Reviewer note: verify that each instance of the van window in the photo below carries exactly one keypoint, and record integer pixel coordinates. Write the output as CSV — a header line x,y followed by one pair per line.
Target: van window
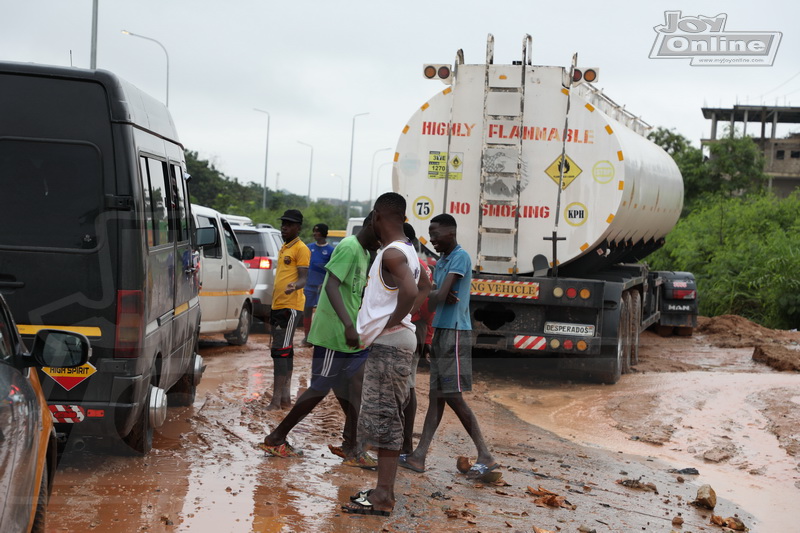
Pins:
x,y
181,209
52,193
159,201
230,241
211,251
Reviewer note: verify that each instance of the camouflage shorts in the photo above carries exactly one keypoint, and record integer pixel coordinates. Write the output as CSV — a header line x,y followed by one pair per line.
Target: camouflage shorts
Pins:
x,y
384,396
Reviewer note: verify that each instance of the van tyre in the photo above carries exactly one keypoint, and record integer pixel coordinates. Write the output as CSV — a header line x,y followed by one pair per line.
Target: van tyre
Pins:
x,y
183,393
140,439
40,518
240,335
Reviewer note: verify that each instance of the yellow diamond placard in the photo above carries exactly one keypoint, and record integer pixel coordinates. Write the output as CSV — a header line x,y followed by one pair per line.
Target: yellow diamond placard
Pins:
x,y
69,378
571,171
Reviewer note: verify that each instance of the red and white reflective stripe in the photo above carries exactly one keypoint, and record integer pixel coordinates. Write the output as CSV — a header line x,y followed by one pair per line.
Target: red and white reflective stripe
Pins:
x,y
67,414
529,342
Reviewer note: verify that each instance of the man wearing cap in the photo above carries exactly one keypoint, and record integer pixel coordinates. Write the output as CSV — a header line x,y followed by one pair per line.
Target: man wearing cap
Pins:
x,y
287,304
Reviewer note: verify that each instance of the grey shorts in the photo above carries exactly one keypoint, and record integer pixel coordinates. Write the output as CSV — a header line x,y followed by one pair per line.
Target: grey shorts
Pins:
x,y
451,361
384,396
421,333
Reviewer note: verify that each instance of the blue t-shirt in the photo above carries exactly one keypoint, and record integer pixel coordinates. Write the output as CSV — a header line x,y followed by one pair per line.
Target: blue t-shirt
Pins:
x,y
454,316
320,255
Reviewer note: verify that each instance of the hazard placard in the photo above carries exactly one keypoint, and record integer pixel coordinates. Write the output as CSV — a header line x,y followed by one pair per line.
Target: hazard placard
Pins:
x,y
440,165
571,171
69,378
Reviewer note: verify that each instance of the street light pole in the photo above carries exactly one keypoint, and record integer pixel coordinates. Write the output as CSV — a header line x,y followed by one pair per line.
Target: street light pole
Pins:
x,y
372,174
310,166
350,177
266,161
378,176
93,57
126,32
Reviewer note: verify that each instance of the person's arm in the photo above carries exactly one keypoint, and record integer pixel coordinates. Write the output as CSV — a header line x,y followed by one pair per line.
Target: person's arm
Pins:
x,y
395,264
302,277
445,291
423,289
335,297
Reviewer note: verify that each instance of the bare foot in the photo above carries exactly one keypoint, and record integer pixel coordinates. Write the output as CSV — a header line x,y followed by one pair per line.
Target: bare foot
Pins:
x,y
274,407
286,405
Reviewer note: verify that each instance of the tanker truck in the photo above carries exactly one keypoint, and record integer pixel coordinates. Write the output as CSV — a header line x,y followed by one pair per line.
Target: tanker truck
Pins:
x,y
558,196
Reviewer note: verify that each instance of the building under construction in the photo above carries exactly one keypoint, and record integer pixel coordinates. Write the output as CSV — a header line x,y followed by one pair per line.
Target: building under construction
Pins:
x,y
782,154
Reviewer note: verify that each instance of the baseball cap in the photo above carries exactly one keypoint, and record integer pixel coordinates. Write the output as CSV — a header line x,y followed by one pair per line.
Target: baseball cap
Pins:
x,y
292,215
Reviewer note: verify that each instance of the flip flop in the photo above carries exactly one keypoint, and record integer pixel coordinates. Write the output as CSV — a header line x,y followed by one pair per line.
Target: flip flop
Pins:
x,y
361,495
337,450
362,460
480,469
284,450
365,507
405,464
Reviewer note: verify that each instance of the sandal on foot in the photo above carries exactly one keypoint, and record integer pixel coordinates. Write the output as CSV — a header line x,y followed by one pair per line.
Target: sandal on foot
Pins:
x,y
480,469
337,451
361,495
401,461
362,460
282,450
365,507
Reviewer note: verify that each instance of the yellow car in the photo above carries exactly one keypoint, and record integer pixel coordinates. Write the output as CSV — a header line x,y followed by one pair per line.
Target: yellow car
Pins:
x,y
335,236
27,439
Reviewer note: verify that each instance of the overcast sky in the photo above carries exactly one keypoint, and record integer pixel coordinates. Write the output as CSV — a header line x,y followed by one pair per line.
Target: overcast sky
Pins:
x,y
313,65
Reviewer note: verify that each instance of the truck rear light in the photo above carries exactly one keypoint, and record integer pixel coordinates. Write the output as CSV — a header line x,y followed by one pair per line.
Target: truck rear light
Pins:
x,y
585,294
558,292
437,72
582,345
555,344
130,315
684,294
568,344
572,292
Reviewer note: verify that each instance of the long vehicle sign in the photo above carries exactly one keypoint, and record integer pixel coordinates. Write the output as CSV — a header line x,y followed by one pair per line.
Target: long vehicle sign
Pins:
x,y
505,289
560,328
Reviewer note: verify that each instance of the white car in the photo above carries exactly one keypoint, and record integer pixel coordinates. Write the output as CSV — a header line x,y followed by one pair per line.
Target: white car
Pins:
x,y
226,302
267,242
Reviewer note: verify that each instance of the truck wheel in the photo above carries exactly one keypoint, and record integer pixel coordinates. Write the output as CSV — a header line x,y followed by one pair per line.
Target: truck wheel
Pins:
x,y
626,322
40,518
607,368
239,336
140,439
636,320
183,393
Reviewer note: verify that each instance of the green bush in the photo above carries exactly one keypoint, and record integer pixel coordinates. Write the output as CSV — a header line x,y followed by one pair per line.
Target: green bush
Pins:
x,y
745,254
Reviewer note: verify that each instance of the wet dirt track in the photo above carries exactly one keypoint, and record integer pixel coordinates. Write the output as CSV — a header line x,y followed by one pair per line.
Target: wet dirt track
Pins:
x,y
205,475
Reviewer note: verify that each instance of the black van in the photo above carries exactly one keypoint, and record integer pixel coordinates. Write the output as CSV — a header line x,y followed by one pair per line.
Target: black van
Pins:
x,y
96,237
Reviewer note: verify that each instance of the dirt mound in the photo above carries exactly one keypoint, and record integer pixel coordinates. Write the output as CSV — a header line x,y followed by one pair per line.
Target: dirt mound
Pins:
x,y
733,331
777,356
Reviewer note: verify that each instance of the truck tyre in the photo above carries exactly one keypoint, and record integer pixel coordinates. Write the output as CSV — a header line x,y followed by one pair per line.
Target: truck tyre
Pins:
x,y
607,368
636,320
183,393
40,518
626,321
140,439
240,335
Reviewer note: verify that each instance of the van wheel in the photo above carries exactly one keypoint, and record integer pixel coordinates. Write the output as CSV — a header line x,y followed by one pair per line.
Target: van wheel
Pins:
x,y
140,439
242,332
40,518
183,393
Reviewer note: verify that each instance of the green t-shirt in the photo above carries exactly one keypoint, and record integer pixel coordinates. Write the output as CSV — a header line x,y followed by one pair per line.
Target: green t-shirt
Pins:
x,y
349,263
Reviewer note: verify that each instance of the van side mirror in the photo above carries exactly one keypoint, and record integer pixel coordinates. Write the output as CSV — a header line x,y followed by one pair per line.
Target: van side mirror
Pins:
x,y
60,349
248,253
206,236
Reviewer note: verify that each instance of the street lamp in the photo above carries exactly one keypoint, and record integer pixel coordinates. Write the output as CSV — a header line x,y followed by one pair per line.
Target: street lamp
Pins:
x,y
126,32
372,173
266,160
310,166
341,190
378,177
350,177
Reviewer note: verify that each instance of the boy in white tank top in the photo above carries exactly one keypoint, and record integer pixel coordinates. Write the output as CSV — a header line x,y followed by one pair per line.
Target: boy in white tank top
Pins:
x,y
384,324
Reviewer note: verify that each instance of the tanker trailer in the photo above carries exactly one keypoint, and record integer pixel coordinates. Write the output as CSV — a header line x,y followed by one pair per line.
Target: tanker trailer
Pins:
x,y
558,196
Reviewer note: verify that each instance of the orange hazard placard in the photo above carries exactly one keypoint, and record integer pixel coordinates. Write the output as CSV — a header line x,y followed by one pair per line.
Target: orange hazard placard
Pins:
x,y
69,378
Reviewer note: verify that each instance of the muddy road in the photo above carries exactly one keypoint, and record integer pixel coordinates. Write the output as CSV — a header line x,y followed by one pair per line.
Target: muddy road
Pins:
x,y
699,402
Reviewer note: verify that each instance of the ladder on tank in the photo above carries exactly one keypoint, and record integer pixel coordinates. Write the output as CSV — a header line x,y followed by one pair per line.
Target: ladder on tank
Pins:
x,y
491,176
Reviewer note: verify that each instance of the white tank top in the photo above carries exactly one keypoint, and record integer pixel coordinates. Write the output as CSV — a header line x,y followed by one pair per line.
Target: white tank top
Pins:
x,y
380,300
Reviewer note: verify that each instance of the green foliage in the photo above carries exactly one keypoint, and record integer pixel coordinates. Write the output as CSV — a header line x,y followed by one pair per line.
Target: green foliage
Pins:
x,y
734,165
212,188
745,254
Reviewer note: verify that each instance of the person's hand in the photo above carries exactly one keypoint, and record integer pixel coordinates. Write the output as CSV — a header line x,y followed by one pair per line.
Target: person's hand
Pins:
x,y
351,336
452,298
290,288
426,351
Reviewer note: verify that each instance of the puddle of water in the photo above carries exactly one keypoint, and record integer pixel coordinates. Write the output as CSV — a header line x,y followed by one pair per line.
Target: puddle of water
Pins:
x,y
718,411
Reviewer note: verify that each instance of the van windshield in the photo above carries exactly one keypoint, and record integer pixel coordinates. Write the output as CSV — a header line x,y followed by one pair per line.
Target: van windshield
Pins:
x,y
50,194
